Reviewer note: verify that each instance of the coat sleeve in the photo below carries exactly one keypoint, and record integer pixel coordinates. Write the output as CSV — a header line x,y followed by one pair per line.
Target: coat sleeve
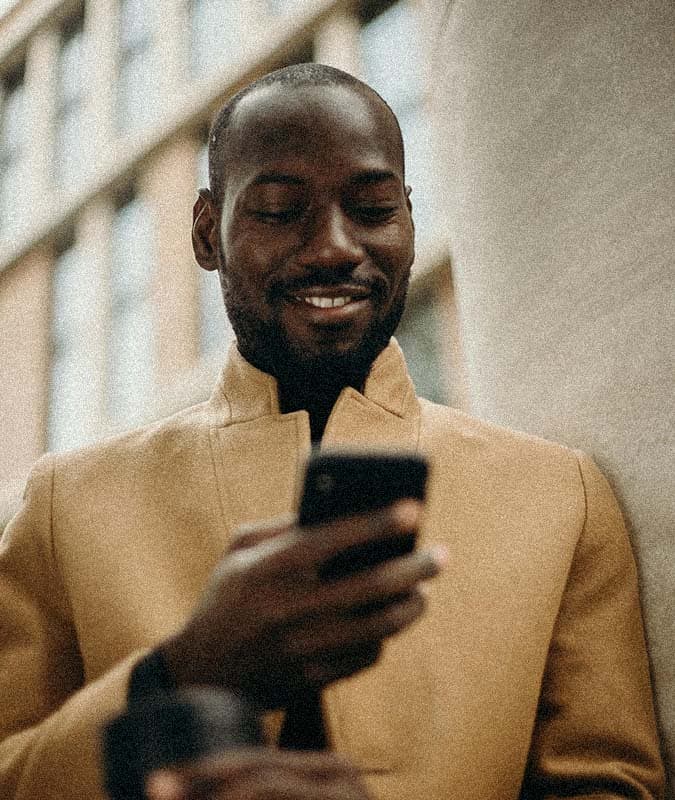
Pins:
x,y
595,733
50,721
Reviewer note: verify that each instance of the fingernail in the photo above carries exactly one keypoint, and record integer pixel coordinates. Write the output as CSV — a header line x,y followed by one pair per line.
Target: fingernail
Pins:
x,y
407,513
440,554
163,785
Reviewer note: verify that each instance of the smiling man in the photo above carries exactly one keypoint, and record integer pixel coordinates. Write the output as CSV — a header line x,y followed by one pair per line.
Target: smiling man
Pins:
x,y
309,225
170,557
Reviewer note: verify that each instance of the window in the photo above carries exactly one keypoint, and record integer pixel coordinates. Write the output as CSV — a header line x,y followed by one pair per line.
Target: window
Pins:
x,y
13,128
136,89
278,6
393,28
420,334
218,30
131,349
72,398
70,101
215,330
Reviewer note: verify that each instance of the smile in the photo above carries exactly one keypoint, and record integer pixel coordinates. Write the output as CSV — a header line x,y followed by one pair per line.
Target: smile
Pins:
x,y
326,302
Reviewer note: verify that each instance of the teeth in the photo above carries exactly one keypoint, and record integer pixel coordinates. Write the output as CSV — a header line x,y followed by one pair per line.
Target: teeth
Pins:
x,y
327,302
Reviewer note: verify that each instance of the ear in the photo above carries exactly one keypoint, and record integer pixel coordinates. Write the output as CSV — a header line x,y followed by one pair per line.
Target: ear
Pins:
x,y
205,231
408,192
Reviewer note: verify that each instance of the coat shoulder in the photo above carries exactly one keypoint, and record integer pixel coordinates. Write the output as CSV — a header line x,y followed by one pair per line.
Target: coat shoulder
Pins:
x,y
147,449
449,433
439,419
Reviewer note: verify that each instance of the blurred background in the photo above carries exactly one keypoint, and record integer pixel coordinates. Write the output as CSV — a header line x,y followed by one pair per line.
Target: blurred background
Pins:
x,y
106,322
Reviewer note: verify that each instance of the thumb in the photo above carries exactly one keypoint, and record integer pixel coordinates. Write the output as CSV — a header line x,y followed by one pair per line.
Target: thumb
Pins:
x,y
253,533
165,785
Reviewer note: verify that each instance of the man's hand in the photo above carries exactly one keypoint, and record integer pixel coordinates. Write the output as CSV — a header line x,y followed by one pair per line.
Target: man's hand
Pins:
x,y
261,775
268,626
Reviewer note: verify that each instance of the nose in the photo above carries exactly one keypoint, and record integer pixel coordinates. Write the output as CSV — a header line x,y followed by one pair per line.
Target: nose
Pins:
x,y
331,241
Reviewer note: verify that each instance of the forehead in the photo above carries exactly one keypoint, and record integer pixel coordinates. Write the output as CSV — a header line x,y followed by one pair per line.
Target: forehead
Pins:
x,y
313,127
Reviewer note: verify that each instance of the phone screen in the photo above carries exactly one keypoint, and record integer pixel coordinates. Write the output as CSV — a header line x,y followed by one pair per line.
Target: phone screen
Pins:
x,y
344,484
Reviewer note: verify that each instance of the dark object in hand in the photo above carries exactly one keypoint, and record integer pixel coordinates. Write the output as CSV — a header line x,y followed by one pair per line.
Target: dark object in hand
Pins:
x,y
344,484
171,729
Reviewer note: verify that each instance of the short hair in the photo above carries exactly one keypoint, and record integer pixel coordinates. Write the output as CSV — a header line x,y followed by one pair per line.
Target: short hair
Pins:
x,y
294,76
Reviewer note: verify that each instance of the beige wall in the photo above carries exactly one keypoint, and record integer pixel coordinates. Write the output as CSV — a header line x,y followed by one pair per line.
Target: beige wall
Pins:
x,y
559,148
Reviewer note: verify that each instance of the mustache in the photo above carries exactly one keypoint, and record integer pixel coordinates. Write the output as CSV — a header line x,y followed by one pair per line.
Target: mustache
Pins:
x,y
282,287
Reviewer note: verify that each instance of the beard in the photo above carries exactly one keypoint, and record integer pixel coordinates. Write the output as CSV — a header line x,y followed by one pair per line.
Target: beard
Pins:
x,y
265,345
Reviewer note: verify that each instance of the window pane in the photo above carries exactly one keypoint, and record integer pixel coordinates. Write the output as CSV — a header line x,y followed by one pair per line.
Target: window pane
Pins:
x,y
136,79
215,331
420,334
131,381
73,294
70,66
202,166
70,419
278,6
131,348
11,198
421,171
399,81
13,126
136,23
68,134
136,91
72,407
131,252
218,31
69,144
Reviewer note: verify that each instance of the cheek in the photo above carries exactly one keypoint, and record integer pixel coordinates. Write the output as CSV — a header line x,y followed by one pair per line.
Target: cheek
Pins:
x,y
253,257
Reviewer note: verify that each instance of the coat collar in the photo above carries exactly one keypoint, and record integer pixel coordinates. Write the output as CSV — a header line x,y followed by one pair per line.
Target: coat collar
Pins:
x,y
245,393
259,454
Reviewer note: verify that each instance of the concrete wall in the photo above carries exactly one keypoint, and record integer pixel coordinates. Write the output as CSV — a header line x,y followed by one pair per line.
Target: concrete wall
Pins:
x,y
558,138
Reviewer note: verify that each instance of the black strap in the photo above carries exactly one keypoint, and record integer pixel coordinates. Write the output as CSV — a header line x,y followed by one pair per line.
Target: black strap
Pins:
x,y
303,727
149,678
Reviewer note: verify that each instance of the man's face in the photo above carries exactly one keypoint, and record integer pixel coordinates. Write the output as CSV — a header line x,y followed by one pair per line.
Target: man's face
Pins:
x,y
316,236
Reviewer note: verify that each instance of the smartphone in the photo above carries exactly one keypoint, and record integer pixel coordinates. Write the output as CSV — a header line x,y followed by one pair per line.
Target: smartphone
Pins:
x,y
341,484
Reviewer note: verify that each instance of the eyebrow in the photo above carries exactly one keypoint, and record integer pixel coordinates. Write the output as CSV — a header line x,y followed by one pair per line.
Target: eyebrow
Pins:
x,y
277,177
372,176
365,178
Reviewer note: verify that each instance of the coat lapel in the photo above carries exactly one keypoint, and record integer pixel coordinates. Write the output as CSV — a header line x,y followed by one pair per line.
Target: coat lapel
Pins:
x,y
385,417
258,453
259,465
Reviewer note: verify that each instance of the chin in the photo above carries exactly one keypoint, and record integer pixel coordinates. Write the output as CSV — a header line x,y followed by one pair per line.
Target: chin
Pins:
x,y
329,365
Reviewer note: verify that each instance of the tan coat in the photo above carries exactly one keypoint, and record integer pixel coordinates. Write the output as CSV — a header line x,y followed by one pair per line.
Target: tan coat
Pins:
x,y
532,644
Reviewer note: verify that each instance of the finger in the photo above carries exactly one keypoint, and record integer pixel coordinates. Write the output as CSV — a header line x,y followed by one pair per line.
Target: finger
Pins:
x,y
331,667
252,533
369,624
324,765
395,576
282,786
165,785
315,545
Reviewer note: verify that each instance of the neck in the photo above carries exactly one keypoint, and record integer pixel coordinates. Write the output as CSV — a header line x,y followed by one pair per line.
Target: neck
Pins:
x,y
317,401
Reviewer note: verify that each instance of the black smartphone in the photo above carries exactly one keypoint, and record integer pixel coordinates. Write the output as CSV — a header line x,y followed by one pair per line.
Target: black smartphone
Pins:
x,y
341,484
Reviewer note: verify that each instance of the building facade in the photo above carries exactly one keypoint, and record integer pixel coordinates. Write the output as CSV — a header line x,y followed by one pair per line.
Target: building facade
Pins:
x,y
105,320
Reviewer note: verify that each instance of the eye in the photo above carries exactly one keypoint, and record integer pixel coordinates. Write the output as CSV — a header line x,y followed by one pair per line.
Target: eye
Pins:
x,y
374,214
281,217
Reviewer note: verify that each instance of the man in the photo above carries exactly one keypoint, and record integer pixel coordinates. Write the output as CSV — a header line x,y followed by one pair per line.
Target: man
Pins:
x,y
525,672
